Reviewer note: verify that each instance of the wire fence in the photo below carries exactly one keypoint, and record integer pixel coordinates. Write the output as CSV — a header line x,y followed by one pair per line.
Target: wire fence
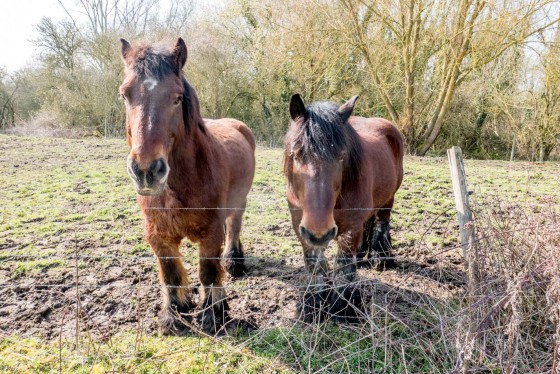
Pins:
x,y
288,275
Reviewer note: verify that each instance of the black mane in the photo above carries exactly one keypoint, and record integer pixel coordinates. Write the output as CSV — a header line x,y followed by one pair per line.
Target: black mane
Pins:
x,y
157,63
321,136
154,63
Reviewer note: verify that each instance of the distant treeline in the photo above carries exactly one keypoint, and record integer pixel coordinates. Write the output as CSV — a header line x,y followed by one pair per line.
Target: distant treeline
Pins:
x,y
481,74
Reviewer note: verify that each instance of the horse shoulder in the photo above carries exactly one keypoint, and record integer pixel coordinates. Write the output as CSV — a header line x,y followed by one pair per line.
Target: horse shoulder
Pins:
x,y
236,146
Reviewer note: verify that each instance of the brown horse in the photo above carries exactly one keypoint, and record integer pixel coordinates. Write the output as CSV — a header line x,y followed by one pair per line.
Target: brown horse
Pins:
x,y
342,174
192,177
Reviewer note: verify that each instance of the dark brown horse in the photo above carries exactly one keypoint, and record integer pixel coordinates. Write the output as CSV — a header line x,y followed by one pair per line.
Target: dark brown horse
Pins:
x,y
192,177
342,174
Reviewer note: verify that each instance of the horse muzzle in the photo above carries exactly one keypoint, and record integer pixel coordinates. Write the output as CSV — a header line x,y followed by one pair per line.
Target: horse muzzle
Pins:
x,y
317,240
151,180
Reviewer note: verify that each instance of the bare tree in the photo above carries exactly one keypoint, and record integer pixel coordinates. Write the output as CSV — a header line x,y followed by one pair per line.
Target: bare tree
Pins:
x,y
547,98
434,45
7,112
61,41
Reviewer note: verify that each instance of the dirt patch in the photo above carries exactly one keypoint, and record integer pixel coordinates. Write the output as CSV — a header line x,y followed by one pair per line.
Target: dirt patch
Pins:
x,y
102,297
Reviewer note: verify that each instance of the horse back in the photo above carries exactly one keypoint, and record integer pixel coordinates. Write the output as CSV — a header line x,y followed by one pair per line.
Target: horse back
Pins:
x,y
383,147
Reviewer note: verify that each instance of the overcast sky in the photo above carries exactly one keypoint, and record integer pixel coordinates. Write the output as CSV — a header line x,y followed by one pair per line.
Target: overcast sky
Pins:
x,y
17,28
18,19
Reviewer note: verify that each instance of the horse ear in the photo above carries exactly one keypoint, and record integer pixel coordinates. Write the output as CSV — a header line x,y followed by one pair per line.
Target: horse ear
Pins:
x,y
345,110
180,53
297,107
125,49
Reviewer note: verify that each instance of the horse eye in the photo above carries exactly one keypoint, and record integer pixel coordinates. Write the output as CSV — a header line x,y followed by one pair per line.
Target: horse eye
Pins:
x,y
179,99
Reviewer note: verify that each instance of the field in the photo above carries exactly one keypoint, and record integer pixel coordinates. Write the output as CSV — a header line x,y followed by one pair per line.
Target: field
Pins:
x,y
79,289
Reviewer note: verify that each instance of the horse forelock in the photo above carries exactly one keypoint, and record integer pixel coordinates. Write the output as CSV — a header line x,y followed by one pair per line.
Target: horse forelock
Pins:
x,y
153,62
321,136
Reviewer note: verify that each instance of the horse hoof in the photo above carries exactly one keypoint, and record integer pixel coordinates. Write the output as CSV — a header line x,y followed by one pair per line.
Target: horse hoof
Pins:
x,y
214,317
240,326
345,305
386,264
364,263
311,307
175,319
172,324
236,268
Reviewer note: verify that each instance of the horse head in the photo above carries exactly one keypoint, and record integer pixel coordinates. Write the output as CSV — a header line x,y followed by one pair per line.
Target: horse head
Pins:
x,y
319,148
153,91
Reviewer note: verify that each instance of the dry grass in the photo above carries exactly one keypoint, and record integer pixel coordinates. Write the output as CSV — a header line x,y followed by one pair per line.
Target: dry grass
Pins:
x,y
46,125
516,306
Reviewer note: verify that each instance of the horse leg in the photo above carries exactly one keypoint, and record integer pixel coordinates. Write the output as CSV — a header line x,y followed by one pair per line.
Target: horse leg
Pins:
x,y
175,286
233,257
381,240
345,301
314,297
211,274
366,246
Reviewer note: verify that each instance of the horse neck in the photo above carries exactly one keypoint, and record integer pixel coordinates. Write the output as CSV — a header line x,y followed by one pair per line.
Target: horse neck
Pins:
x,y
189,159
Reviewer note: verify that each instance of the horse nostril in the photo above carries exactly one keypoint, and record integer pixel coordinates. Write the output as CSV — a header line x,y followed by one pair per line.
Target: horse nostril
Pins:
x,y
158,169
134,170
330,234
304,233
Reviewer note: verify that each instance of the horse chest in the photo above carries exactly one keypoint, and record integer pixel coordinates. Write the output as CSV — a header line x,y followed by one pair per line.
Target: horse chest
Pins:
x,y
170,217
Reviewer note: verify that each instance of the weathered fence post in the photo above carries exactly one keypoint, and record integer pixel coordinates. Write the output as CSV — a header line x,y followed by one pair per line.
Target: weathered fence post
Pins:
x,y
464,213
470,253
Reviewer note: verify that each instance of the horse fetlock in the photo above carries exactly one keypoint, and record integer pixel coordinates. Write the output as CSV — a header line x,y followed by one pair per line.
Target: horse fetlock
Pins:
x,y
315,262
311,305
233,261
381,253
313,300
175,317
362,251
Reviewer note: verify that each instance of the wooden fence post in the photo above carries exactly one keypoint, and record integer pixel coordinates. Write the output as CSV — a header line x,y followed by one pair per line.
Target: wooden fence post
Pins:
x,y
464,213
470,253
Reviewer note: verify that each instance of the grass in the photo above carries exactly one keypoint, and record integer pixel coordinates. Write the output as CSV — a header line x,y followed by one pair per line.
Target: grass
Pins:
x,y
62,197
